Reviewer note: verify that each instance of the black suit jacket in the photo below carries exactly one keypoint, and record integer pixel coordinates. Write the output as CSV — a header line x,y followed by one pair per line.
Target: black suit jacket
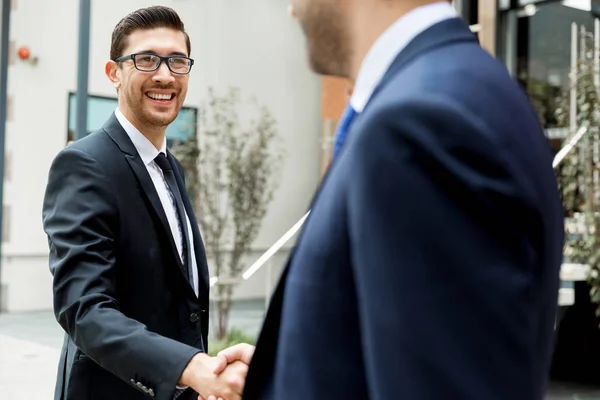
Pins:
x,y
132,320
428,267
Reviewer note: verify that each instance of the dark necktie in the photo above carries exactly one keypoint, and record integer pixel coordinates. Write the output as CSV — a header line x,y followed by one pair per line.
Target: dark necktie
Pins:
x,y
165,165
343,128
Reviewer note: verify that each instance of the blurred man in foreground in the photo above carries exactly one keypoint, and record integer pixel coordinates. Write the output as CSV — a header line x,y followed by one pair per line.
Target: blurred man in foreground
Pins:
x,y
428,267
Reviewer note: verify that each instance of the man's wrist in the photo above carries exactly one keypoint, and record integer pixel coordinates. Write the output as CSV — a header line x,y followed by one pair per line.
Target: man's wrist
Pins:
x,y
189,374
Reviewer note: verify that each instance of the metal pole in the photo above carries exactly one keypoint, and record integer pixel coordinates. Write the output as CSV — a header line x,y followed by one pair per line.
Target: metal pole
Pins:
x,y
268,284
83,69
596,52
574,71
4,39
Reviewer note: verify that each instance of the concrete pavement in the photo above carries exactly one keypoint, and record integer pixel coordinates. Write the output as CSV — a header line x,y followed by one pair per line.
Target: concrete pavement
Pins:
x,y
27,369
30,346
29,349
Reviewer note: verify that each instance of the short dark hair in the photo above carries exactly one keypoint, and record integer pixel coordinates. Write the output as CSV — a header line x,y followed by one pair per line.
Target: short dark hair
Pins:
x,y
145,18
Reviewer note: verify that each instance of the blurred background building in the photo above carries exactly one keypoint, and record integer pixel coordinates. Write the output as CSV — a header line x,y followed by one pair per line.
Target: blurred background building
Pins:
x,y
531,38
253,46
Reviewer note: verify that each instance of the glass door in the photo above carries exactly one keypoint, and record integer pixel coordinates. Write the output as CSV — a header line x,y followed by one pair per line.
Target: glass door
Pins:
x,y
536,46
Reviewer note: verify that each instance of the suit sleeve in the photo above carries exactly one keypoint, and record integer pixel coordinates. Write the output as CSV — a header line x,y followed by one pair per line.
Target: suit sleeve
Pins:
x,y
80,217
442,274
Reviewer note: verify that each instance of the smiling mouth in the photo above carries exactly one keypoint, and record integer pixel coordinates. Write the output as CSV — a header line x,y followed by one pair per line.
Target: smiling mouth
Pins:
x,y
161,97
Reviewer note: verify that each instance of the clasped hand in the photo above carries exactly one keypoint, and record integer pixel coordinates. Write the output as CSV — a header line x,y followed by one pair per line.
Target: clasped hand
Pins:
x,y
222,377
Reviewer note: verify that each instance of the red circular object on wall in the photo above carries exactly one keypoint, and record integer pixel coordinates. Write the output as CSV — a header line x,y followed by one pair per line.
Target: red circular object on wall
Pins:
x,y
24,53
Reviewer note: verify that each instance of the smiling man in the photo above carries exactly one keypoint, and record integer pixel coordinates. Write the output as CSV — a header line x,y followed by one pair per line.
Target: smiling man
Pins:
x,y
130,273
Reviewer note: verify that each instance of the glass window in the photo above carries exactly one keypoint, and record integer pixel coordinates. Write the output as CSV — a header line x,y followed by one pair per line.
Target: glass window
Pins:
x,y
535,44
100,108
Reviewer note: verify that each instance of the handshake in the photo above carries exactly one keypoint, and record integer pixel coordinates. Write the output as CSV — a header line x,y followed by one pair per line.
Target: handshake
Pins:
x,y
221,377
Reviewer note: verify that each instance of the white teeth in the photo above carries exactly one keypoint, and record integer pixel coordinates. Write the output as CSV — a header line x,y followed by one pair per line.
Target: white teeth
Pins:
x,y
156,96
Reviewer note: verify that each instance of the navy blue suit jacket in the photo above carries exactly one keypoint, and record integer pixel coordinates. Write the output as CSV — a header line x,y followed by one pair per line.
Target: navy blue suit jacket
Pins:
x,y
428,268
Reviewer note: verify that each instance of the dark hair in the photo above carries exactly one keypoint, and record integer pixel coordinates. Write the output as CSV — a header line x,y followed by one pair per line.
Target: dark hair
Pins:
x,y
145,18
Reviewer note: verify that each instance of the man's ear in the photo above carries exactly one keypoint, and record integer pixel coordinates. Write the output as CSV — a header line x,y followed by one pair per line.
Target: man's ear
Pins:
x,y
291,11
113,72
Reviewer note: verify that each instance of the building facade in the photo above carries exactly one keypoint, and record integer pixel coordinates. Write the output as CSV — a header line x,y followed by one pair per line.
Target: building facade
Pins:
x,y
253,46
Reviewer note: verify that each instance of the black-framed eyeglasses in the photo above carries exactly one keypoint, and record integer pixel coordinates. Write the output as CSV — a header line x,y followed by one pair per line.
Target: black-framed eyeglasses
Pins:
x,y
148,62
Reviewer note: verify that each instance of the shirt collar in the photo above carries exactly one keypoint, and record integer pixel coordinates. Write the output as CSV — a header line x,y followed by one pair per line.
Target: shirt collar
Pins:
x,y
387,47
144,147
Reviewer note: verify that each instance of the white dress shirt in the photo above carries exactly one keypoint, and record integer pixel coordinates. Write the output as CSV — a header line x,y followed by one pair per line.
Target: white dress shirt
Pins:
x,y
148,153
391,42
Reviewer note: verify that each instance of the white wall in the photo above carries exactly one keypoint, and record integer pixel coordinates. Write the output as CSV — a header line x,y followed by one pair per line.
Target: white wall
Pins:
x,y
250,44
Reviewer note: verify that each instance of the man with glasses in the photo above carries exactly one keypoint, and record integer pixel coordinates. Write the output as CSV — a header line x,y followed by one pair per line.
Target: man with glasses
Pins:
x,y
130,272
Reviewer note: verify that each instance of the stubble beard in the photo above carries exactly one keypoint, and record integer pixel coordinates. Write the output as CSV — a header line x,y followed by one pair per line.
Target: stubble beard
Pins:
x,y
328,41
147,118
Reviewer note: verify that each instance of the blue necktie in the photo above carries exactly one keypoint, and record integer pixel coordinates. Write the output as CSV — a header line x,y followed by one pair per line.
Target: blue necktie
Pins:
x,y
343,128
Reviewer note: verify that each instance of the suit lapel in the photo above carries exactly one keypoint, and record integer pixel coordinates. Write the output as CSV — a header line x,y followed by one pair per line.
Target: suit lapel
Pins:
x,y
199,250
114,129
149,190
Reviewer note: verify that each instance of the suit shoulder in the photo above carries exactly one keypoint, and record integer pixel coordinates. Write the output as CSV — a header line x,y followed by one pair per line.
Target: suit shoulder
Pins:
x,y
92,142
74,160
487,91
444,91
79,168
427,110
96,145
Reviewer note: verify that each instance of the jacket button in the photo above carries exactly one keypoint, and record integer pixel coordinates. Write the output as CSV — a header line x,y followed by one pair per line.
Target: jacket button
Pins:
x,y
194,317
